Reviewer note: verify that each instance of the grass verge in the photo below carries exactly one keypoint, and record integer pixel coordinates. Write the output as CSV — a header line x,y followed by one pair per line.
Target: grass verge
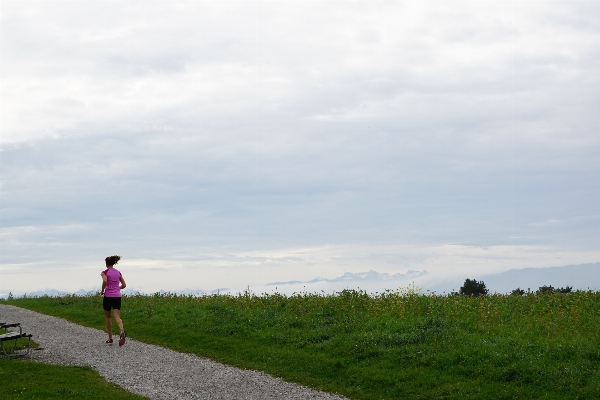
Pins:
x,y
389,346
26,379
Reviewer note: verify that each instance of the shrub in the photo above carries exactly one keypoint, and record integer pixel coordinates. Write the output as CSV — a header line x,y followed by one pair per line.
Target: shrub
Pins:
x,y
518,292
550,289
546,290
473,288
567,289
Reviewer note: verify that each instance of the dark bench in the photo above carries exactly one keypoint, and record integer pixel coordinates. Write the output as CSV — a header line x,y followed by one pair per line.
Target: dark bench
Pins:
x,y
8,336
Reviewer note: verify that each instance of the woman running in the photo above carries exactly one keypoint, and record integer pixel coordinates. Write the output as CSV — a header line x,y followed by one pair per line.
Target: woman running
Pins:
x,y
111,290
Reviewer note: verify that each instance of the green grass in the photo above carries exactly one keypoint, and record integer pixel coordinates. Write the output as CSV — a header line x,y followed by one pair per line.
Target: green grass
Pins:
x,y
25,379
390,346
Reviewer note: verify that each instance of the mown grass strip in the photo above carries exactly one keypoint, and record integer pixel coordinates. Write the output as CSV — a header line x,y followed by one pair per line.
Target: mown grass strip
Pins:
x,y
26,379
389,346
23,379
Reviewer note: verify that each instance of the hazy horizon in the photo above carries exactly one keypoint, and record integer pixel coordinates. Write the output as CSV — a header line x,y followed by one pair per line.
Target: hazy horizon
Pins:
x,y
578,277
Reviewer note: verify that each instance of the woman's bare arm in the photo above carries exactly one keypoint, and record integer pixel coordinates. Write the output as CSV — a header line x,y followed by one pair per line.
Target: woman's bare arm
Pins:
x,y
104,280
123,284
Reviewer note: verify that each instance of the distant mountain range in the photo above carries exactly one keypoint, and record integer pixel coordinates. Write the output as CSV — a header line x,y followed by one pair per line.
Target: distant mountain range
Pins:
x,y
580,277
349,277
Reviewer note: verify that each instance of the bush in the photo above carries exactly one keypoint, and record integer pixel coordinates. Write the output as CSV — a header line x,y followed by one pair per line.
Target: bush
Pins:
x,y
546,290
518,292
567,289
473,288
550,289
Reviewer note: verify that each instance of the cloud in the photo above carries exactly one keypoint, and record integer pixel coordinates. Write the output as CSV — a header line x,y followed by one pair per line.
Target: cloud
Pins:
x,y
191,128
545,223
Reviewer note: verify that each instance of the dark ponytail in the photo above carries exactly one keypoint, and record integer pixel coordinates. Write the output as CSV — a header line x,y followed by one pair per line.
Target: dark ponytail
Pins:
x,y
112,260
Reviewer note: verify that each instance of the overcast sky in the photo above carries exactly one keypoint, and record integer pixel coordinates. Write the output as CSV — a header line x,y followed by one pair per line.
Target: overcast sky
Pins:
x,y
226,144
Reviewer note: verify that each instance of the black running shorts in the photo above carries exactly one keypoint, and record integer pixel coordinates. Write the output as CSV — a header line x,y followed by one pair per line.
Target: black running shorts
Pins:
x,y
111,302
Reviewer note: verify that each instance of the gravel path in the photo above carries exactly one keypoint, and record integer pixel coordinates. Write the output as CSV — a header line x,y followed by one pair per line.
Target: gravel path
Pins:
x,y
149,370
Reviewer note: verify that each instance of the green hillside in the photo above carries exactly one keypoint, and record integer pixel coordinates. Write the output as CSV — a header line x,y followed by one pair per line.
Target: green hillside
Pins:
x,y
404,345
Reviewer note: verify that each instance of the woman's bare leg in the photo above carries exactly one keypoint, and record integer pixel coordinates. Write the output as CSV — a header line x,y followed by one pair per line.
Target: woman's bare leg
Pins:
x,y
108,323
117,315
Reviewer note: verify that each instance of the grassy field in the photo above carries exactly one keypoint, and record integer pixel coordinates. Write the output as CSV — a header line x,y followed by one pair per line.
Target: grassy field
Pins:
x,y
24,379
391,346
21,379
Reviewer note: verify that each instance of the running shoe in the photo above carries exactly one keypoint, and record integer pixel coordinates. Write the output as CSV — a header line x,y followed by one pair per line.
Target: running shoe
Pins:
x,y
122,338
109,341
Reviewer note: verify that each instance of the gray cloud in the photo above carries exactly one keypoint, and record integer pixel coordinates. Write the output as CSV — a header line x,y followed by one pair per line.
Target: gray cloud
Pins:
x,y
196,125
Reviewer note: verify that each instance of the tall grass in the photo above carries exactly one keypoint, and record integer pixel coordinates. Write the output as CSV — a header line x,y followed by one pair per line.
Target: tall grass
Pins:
x,y
388,346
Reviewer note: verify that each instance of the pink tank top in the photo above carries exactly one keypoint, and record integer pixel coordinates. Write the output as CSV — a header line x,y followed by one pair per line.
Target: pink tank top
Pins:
x,y
113,281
